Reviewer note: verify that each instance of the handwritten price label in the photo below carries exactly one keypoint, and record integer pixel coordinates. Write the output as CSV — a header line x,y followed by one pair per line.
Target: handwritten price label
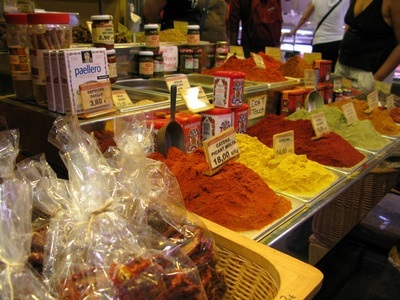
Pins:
x,y
181,82
220,149
121,99
349,112
258,60
283,144
257,106
319,124
373,101
238,50
309,78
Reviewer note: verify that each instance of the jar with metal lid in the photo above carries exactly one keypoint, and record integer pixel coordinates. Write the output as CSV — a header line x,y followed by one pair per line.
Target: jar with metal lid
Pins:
x,y
185,61
221,48
151,38
103,31
46,31
146,64
193,35
197,56
112,65
158,64
18,48
219,60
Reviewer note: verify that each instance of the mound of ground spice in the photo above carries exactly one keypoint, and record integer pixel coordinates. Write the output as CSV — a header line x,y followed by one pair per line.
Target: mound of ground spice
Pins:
x,y
248,66
380,119
330,150
294,67
236,197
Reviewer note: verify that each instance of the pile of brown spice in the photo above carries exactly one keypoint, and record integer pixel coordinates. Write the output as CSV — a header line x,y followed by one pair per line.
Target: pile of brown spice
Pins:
x,y
236,197
294,67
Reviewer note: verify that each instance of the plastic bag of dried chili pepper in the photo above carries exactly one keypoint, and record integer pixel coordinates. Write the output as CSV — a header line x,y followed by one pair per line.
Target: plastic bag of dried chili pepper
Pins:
x,y
96,244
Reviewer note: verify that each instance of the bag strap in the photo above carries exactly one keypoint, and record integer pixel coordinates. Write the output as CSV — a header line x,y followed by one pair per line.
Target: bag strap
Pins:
x,y
204,15
326,15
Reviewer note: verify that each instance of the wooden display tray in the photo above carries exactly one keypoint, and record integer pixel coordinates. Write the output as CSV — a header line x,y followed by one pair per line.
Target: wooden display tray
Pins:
x,y
295,279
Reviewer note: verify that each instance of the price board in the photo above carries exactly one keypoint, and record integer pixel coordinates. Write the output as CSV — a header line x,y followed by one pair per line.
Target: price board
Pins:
x,y
96,98
219,149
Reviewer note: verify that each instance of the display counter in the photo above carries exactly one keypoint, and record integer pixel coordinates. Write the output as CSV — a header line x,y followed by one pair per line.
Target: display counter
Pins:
x,y
34,124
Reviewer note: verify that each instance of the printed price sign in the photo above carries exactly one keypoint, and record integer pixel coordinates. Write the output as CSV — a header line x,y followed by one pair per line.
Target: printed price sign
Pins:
x,y
373,101
310,57
309,78
257,106
383,87
319,124
390,102
283,144
219,149
238,50
349,112
258,60
181,82
96,98
275,53
121,99
196,99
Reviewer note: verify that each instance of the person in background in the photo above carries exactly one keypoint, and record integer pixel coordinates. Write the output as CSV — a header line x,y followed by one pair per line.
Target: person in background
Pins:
x,y
328,35
165,12
256,34
370,49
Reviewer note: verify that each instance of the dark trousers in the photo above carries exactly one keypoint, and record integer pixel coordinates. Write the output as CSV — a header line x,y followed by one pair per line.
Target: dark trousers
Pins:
x,y
329,51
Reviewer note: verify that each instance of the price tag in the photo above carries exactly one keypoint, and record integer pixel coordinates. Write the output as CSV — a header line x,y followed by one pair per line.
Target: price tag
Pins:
x,y
337,83
383,87
373,101
121,99
257,106
238,50
170,56
346,83
181,26
309,78
390,102
258,60
319,124
196,99
181,82
220,148
349,112
96,98
310,57
283,144
275,53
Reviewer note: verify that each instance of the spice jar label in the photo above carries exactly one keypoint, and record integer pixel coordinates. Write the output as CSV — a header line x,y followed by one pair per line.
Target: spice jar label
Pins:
x,y
349,112
320,124
257,106
96,98
220,148
258,60
283,144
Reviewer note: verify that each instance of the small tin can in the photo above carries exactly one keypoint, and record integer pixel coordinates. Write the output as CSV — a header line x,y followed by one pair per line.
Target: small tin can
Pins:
x,y
292,100
325,69
240,117
228,88
103,31
193,35
186,61
146,64
151,38
191,124
215,121
112,65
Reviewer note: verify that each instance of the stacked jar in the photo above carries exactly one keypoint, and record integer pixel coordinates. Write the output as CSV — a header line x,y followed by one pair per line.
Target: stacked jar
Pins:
x,y
221,53
152,45
46,31
18,46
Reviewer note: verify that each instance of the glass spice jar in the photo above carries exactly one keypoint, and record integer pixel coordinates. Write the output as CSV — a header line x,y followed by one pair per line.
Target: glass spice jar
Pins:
x,y
46,31
112,65
146,64
103,31
18,47
185,61
151,38
193,35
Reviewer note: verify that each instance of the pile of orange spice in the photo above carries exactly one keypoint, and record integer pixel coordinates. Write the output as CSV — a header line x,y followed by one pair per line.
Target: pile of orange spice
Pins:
x,y
236,197
295,67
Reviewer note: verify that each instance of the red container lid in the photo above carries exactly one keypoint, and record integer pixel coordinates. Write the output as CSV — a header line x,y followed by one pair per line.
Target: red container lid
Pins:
x,y
48,18
232,74
16,18
218,111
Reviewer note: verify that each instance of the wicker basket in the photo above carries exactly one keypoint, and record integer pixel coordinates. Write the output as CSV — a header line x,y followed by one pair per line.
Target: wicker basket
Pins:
x,y
256,271
339,216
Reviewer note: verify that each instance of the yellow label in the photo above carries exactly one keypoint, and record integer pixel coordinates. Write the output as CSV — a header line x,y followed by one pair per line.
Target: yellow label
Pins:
x,y
349,112
238,50
96,98
383,87
258,60
310,57
390,102
283,144
275,53
121,98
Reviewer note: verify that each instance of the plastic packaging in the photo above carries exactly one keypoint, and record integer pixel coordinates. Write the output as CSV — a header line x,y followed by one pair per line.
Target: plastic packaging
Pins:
x,y
18,46
47,31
